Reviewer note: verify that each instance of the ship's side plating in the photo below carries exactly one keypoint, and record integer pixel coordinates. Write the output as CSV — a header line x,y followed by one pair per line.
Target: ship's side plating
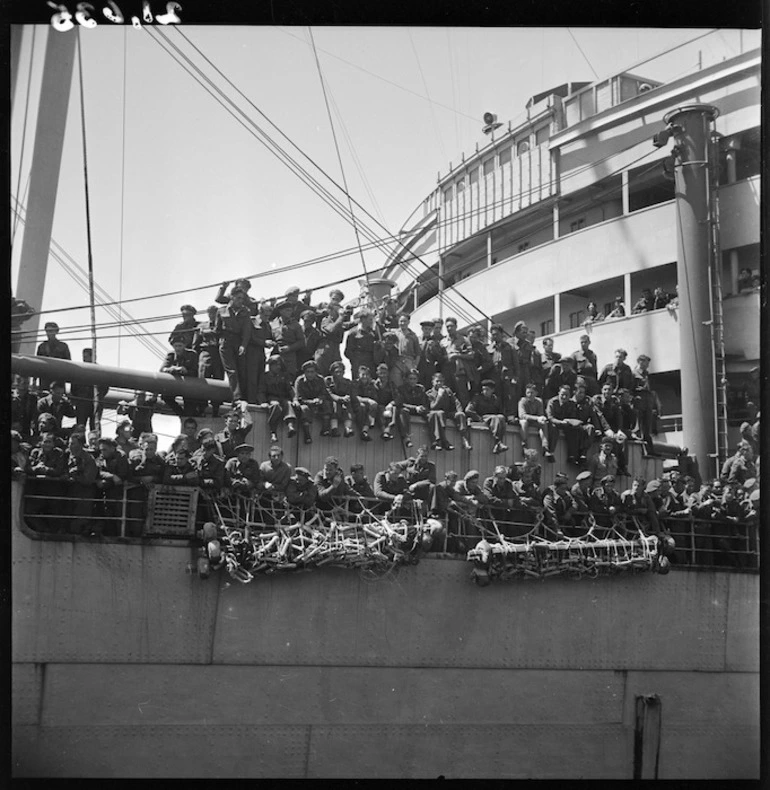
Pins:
x,y
123,665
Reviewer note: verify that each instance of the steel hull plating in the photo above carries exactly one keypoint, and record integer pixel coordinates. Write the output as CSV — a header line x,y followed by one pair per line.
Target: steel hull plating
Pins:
x,y
126,666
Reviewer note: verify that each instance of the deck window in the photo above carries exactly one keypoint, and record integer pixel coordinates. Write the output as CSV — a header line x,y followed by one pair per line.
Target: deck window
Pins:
x,y
505,156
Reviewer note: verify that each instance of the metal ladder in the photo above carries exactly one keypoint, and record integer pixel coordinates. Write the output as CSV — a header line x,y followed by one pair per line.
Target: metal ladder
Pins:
x,y
717,334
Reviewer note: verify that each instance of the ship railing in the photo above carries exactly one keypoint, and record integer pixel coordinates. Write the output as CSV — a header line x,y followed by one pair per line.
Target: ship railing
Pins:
x,y
710,543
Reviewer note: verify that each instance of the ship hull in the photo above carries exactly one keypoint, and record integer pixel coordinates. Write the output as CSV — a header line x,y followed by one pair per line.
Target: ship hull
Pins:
x,y
124,665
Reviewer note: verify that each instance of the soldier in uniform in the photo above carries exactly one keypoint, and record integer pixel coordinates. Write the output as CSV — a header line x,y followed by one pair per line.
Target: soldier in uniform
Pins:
x,y
361,343
389,410
367,411
334,324
206,345
409,351
301,494
645,401
57,404
277,396
333,491
211,468
503,499
558,410
180,471
245,286
391,488
592,423
242,471
559,507
617,373
233,329
549,357
359,488
179,363
147,466
238,426
506,372
386,352
344,402
586,364
113,472
52,347
444,405
605,502
460,357
420,474
185,329
288,336
485,407
312,397
483,363
523,349
274,475
581,491
562,373
46,469
604,463
411,401
531,411
313,337
82,475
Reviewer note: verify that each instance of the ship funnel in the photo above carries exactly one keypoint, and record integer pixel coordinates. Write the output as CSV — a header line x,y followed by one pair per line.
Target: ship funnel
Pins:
x,y
379,287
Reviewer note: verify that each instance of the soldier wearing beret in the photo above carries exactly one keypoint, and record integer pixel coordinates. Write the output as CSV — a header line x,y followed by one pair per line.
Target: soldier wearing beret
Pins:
x,y
605,501
581,491
242,471
559,507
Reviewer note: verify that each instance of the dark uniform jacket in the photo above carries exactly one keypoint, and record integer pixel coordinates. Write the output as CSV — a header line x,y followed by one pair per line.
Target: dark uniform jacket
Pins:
x,y
360,347
414,472
557,508
620,376
443,494
246,473
443,399
480,404
609,409
362,488
307,389
205,338
116,465
328,494
145,467
54,348
211,471
387,490
277,386
301,492
558,411
278,476
500,492
184,331
175,474
52,464
227,442
233,327
313,340
505,360
187,361
386,392
411,397
81,469
340,388
63,408
603,498
556,378
580,497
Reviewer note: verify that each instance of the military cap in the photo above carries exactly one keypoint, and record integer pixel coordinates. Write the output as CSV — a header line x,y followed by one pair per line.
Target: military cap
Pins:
x,y
641,357
244,447
202,433
437,321
337,365
754,496
108,440
45,417
291,290
470,474
336,292
487,383
123,423
608,479
51,325
584,475
238,289
308,364
560,477
209,444
652,487
750,482
187,308
330,459
427,323
300,470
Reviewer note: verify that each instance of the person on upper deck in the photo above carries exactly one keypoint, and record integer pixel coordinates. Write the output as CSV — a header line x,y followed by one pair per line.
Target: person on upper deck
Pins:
x,y
51,347
185,329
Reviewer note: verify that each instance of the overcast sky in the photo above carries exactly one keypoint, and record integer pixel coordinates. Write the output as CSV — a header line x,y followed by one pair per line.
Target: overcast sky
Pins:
x,y
203,201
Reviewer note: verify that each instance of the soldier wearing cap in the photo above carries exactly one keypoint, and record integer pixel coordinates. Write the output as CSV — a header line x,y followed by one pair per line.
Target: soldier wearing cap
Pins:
x,y
637,502
312,397
301,493
291,297
244,285
605,502
211,468
558,507
646,402
485,407
523,348
52,347
361,343
444,405
366,408
113,472
288,336
460,357
332,489
242,471
185,329
426,364
581,491
503,498
360,489
334,324
233,329
408,346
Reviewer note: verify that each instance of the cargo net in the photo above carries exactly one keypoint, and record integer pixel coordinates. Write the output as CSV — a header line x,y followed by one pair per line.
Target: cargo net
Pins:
x,y
250,537
623,547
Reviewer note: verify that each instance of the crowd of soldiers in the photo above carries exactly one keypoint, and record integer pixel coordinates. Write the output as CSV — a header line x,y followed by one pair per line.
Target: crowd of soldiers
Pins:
x,y
90,472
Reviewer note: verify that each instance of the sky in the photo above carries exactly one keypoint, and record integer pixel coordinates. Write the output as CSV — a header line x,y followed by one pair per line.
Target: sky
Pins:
x,y
183,196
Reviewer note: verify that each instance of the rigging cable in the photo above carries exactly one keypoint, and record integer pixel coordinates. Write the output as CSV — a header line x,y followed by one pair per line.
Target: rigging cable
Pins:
x,y
585,57
122,180
24,129
339,155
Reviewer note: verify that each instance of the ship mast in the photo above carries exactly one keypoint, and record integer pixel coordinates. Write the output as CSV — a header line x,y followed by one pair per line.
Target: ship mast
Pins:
x,y
692,128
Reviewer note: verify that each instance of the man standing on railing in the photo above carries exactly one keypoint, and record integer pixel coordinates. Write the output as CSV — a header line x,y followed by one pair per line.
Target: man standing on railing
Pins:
x,y
233,329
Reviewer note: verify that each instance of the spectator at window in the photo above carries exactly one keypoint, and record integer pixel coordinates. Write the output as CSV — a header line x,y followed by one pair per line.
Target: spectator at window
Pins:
x,y
618,308
592,314
660,299
645,303
744,280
